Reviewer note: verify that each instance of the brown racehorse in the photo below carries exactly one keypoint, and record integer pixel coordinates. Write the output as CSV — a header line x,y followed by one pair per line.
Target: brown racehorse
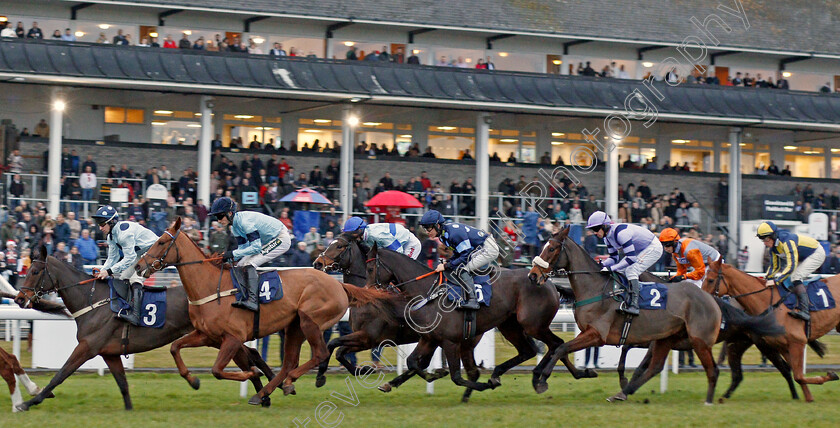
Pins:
x,y
312,302
756,296
690,312
99,333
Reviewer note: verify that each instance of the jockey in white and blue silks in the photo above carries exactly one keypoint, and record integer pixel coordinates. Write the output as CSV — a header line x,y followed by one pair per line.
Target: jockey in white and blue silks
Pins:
x,y
640,247
133,240
385,235
260,239
473,250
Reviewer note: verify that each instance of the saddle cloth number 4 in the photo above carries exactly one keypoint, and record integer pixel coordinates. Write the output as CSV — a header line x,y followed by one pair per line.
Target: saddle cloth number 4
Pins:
x,y
265,291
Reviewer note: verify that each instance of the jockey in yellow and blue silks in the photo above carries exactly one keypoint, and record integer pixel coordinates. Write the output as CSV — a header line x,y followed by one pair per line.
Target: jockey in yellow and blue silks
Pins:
x,y
793,256
260,239
133,240
473,250
385,235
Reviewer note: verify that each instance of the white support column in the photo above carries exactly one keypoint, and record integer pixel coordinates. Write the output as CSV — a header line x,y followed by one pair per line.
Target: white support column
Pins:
x,y
611,185
54,160
734,191
482,170
206,109
289,131
330,50
543,143
348,124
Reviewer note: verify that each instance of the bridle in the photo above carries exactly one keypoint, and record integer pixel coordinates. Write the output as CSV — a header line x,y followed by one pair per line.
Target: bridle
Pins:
x,y
160,263
720,278
396,287
335,265
39,291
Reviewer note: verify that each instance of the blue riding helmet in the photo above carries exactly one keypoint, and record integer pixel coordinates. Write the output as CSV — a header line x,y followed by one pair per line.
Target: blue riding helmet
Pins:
x,y
432,217
354,224
222,205
106,214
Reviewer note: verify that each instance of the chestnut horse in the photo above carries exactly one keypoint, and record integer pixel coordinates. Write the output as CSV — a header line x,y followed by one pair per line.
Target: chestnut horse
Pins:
x,y
312,302
99,333
11,372
690,312
757,297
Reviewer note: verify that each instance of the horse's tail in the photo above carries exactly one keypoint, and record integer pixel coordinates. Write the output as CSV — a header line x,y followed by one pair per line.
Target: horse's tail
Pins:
x,y
763,325
818,347
363,295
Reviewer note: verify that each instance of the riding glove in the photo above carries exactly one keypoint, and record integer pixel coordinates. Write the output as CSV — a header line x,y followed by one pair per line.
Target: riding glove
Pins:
x,y
677,278
227,256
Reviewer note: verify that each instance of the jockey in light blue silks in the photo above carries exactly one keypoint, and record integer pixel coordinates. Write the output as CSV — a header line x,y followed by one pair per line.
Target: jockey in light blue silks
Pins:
x,y
133,240
473,250
385,235
260,239
640,247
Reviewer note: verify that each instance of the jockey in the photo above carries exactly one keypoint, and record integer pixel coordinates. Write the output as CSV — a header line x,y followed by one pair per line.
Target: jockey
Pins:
x,y
687,252
261,239
795,256
132,240
641,250
473,250
385,235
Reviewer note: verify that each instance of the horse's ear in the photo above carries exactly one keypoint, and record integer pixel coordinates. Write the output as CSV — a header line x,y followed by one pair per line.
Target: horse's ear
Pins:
x,y
41,252
373,251
177,224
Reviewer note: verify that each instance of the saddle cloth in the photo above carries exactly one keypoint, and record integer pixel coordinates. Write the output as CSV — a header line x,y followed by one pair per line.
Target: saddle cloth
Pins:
x,y
652,295
153,309
483,289
818,293
271,288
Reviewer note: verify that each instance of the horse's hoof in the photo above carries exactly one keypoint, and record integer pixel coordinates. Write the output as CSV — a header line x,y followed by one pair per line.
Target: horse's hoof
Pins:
x,y
494,382
722,400
255,400
708,403
266,401
589,373
832,376
50,395
617,397
320,381
541,387
385,387
195,383
465,399
441,372
22,407
289,389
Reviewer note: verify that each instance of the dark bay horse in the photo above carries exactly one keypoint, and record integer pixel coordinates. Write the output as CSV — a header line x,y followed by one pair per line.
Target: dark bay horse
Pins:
x,y
99,333
690,313
312,302
757,297
369,329
517,308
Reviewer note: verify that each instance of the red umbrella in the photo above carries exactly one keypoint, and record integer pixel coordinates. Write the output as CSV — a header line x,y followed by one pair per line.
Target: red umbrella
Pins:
x,y
394,198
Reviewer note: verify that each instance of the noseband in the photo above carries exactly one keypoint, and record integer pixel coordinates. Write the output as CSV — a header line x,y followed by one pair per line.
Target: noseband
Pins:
x,y
335,262
160,263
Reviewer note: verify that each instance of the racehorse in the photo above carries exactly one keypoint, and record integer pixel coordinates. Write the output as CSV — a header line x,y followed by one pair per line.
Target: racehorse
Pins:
x,y
757,297
312,302
99,333
369,329
690,312
518,308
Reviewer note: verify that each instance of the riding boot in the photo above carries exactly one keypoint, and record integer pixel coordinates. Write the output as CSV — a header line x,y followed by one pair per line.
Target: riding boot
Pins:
x,y
132,315
803,310
469,286
633,307
250,290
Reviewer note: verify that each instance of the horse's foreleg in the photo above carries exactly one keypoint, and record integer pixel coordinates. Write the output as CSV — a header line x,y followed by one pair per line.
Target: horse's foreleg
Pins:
x,y
780,364
255,359
587,338
452,352
468,358
117,369
525,348
640,370
245,361
416,363
658,353
291,357
80,354
315,337
229,347
734,353
193,339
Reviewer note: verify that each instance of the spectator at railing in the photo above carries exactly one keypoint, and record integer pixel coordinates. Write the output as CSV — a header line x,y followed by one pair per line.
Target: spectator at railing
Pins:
x,y
87,247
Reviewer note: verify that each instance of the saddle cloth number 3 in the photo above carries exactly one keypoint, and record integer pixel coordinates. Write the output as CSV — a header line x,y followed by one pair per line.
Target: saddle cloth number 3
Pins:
x,y
151,318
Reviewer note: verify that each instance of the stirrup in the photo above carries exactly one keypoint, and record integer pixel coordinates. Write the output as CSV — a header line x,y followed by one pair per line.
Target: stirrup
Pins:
x,y
800,315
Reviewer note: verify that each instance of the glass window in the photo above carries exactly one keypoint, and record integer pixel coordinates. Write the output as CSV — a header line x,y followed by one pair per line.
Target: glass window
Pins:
x,y
697,160
451,146
123,115
308,137
835,166
806,166
175,132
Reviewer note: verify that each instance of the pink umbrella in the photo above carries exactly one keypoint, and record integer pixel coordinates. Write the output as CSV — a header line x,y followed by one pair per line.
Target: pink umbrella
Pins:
x,y
394,198
306,195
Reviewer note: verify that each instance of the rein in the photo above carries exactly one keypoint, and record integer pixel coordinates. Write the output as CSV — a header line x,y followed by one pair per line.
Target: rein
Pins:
x,y
720,278
38,291
555,271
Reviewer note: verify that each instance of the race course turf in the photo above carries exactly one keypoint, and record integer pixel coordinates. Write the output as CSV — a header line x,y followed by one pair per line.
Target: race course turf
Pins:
x,y
165,400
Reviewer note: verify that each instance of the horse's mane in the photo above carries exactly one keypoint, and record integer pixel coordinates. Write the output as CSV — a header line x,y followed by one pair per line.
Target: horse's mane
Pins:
x,y
577,246
419,264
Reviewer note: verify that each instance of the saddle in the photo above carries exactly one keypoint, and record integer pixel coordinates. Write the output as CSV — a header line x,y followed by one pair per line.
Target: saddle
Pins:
x,y
122,289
